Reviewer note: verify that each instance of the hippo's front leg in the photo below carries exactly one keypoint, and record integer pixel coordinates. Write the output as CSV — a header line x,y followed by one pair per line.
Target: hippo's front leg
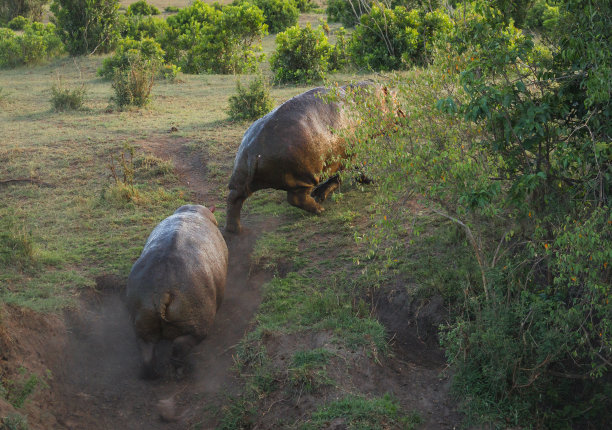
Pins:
x,y
234,206
301,198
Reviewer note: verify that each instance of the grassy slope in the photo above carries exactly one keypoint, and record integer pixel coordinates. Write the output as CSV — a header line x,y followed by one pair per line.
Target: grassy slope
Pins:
x,y
77,234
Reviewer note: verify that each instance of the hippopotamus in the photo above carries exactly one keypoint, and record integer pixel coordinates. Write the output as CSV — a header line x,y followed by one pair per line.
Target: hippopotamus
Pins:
x,y
177,284
292,148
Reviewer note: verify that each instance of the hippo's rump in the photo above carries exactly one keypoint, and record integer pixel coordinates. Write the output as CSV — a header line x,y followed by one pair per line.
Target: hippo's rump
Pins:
x,y
177,284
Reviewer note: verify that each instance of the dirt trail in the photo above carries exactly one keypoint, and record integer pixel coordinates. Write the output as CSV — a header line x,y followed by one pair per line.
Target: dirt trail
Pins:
x,y
99,381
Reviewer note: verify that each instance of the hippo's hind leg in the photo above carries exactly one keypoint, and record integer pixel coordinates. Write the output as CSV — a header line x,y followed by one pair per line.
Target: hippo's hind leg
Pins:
x,y
323,191
235,201
302,199
181,346
147,351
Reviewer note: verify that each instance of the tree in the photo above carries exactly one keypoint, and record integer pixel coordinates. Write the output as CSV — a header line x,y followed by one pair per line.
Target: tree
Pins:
x,y
87,26
32,9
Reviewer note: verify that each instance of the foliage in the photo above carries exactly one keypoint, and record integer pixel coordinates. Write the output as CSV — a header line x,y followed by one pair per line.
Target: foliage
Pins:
x,y
305,5
362,413
513,10
280,14
301,55
340,57
349,12
389,39
37,44
133,83
18,23
542,15
16,246
139,27
130,51
141,7
87,27
31,9
15,421
172,9
252,102
207,39
19,390
64,98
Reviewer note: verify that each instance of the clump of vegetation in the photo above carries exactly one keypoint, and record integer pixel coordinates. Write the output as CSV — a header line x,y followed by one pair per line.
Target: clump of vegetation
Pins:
x,y
129,52
18,391
207,39
141,7
18,23
251,102
360,413
307,370
301,55
31,9
133,84
87,27
139,27
280,14
16,246
391,39
542,16
15,421
519,173
122,170
64,98
37,44
172,9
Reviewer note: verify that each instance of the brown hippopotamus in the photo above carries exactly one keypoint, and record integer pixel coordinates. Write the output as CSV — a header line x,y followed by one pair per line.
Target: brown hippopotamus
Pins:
x,y
177,284
290,149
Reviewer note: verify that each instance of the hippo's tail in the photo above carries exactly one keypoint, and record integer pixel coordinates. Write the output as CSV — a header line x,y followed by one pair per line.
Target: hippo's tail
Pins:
x,y
164,305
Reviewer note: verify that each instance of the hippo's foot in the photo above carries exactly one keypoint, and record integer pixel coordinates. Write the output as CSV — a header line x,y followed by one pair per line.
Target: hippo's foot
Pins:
x,y
303,200
322,192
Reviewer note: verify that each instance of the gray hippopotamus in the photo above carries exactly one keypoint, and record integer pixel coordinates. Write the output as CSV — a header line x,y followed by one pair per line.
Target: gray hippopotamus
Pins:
x,y
292,148
177,284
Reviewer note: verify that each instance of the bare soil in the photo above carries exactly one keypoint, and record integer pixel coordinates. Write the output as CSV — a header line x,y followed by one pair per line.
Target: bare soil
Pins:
x,y
95,364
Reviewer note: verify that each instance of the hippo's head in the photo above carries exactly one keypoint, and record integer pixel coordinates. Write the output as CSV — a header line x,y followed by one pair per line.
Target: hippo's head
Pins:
x,y
202,210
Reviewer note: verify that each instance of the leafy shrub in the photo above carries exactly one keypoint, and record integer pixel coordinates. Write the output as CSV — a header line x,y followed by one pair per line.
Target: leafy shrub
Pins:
x,y
305,5
32,9
18,23
252,102
301,55
340,57
138,27
207,39
16,246
141,7
280,14
130,51
542,16
389,39
133,84
172,9
87,27
349,12
64,98
37,44
169,72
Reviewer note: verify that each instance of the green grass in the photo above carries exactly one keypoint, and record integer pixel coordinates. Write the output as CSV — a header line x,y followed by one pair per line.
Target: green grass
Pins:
x,y
361,413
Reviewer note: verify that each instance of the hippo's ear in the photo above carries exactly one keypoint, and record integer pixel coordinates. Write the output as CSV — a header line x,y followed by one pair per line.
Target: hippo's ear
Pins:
x,y
212,208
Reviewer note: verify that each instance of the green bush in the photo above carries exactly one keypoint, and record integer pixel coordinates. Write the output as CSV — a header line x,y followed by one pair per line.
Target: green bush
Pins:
x,y
207,39
305,5
37,44
18,23
252,102
390,39
172,9
133,84
64,98
340,57
301,55
130,50
32,9
87,27
138,27
348,12
280,14
141,7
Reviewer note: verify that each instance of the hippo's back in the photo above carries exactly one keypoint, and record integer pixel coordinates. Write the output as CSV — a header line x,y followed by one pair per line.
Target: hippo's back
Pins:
x,y
177,284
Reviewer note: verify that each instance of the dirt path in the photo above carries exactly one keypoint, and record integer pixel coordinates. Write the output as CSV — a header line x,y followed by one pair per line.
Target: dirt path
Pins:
x,y
99,380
